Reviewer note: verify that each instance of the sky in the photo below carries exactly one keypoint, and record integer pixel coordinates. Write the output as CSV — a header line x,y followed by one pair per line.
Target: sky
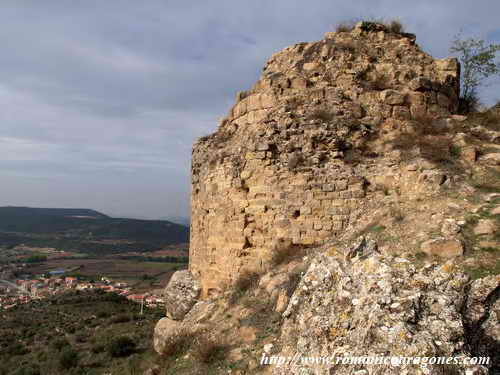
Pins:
x,y
102,100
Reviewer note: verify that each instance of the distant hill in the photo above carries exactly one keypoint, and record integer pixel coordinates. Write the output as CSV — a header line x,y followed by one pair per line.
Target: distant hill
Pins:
x,y
85,230
178,219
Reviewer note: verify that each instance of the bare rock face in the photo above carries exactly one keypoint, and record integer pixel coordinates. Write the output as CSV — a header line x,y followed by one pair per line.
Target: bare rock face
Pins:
x,y
485,226
444,248
181,294
286,164
165,329
375,304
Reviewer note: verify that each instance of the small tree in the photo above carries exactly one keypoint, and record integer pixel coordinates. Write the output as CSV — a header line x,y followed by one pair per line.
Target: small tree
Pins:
x,y
478,63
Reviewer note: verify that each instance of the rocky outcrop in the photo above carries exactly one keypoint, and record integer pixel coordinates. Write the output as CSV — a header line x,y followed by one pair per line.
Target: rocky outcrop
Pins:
x,y
375,304
289,165
181,294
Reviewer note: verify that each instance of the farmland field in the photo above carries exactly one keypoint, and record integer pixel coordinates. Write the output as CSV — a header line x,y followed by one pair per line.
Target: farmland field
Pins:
x,y
140,275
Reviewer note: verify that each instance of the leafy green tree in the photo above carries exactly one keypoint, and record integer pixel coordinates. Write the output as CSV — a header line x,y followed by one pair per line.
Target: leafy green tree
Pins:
x,y
478,64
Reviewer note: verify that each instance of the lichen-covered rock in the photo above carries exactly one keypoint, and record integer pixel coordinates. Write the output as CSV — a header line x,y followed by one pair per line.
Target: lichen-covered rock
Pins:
x,y
194,321
482,317
165,329
181,294
384,305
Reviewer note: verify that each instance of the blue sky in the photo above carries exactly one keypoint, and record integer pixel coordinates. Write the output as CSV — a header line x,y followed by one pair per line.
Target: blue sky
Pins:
x,y
102,100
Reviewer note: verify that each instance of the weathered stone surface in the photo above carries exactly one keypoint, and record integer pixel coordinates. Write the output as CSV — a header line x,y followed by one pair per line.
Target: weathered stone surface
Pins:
x,y
384,304
469,154
280,155
180,294
485,226
495,210
165,330
443,248
194,322
493,158
450,228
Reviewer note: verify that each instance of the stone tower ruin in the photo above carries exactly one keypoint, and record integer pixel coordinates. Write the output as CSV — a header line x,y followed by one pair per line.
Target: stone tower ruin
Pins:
x,y
285,167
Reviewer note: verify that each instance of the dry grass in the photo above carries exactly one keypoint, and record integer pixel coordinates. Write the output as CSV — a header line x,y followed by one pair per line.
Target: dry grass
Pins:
x,y
489,119
245,282
345,26
179,344
287,254
395,26
434,141
372,24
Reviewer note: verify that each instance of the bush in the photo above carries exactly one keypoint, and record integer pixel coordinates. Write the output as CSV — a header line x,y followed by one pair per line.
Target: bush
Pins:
x,y
32,369
17,349
286,254
345,27
121,318
395,26
468,103
98,348
68,358
122,346
179,344
208,350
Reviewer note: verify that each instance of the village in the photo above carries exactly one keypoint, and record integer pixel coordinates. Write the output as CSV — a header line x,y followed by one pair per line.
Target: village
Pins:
x,y
22,291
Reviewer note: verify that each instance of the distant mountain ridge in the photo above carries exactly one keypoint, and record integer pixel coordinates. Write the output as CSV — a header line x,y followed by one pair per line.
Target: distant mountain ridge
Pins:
x,y
85,230
15,210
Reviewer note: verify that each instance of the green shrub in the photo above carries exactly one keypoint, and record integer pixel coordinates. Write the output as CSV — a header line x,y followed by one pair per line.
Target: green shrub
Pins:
x,y
121,346
68,358
121,318
32,369
17,349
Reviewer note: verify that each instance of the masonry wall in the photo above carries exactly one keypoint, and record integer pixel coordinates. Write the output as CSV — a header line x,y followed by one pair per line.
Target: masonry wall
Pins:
x,y
285,168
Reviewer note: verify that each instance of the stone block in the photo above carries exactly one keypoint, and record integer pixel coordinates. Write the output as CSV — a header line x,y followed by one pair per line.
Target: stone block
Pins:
x,y
267,101
299,83
443,248
340,185
253,102
401,112
418,110
181,294
328,187
392,97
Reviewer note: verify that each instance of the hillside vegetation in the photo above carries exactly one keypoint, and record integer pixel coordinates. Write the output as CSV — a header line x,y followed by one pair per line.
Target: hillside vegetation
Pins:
x,y
76,333
84,230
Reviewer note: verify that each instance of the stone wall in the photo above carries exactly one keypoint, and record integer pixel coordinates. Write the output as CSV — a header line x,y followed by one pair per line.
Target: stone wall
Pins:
x,y
290,164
